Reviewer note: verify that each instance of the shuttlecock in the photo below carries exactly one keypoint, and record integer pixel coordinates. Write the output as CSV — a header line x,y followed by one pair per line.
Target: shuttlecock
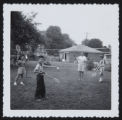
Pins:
x,y
57,68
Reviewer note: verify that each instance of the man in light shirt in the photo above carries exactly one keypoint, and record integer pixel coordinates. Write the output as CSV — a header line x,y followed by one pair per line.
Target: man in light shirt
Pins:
x,y
81,65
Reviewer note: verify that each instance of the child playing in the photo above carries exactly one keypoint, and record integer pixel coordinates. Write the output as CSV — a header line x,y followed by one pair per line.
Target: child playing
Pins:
x,y
21,70
100,68
39,69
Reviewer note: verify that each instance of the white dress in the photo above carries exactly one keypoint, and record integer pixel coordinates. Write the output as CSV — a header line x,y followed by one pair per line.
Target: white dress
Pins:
x,y
81,63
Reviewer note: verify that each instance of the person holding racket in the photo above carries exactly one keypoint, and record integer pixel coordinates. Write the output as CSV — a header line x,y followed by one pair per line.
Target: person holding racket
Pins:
x,y
40,92
100,68
21,70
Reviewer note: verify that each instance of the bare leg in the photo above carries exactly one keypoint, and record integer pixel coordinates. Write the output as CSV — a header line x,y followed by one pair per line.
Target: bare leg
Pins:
x,y
80,75
21,80
25,72
101,77
17,77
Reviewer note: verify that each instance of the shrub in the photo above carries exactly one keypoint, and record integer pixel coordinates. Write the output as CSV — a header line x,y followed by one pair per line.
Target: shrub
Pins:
x,y
90,65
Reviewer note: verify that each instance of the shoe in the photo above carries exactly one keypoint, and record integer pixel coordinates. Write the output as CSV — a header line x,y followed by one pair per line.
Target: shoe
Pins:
x,y
22,83
100,80
15,84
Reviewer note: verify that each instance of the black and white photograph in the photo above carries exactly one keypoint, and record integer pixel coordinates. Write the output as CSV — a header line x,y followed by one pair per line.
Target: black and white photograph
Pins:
x,y
61,60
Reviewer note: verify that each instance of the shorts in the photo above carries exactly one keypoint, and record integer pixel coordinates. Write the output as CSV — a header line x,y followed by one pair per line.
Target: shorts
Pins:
x,y
21,70
81,67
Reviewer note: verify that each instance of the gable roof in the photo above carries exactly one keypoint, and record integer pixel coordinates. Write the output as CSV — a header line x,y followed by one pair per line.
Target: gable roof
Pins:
x,y
81,48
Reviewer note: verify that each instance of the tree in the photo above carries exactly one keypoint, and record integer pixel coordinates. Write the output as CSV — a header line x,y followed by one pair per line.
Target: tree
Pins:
x,y
85,42
68,42
94,43
24,31
56,39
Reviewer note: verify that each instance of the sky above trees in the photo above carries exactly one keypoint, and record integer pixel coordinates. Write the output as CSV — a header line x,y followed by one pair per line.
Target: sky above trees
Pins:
x,y
95,21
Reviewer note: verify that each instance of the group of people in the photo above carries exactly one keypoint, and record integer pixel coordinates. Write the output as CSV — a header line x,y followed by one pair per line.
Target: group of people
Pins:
x,y
40,92
82,65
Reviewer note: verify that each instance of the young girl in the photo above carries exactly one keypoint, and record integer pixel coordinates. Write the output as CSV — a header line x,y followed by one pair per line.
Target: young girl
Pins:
x,y
21,70
100,68
40,88
102,65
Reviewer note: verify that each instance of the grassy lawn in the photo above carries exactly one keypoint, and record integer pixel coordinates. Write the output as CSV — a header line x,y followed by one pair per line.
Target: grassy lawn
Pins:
x,y
70,93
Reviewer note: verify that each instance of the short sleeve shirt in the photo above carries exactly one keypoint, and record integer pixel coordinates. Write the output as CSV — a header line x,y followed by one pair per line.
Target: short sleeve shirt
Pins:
x,y
81,60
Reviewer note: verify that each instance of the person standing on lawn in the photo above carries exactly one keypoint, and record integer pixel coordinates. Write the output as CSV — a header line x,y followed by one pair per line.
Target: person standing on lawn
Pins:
x,y
100,68
40,92
21,70
82,60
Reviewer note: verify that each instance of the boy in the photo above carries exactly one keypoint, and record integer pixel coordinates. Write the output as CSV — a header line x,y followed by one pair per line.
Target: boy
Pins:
x,y
21,70
81,65
40,88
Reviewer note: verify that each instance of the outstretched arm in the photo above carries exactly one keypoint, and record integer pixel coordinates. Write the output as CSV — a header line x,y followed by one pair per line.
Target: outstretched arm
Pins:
x,y
36,70
48,66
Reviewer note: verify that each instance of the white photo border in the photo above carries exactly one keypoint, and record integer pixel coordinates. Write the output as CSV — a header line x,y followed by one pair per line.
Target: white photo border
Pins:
x,y
7,112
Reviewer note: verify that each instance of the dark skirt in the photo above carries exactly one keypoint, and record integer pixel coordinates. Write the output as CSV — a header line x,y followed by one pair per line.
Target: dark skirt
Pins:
x,y
40,88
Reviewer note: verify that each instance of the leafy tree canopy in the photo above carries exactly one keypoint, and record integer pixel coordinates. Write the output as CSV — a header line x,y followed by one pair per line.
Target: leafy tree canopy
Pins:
x,y
24,31
94,43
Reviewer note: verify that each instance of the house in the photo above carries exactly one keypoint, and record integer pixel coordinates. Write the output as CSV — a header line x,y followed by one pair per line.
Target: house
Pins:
x,y
70,54
104,50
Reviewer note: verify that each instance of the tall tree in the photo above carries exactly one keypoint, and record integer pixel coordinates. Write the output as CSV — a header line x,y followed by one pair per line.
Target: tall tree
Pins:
x,y
57,39
85,42
94,43
23,31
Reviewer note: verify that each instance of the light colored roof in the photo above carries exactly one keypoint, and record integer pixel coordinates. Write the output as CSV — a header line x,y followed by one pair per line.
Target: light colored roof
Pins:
x,y
81,48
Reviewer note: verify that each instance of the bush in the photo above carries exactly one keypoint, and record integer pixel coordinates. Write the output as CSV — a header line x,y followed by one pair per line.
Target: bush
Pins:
x,y
90,65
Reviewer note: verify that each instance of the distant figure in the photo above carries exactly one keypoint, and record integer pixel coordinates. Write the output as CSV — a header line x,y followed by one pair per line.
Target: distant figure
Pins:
x,y
100,68
81,65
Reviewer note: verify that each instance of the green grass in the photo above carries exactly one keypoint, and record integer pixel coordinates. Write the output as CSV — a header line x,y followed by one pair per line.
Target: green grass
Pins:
x,y
70,93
